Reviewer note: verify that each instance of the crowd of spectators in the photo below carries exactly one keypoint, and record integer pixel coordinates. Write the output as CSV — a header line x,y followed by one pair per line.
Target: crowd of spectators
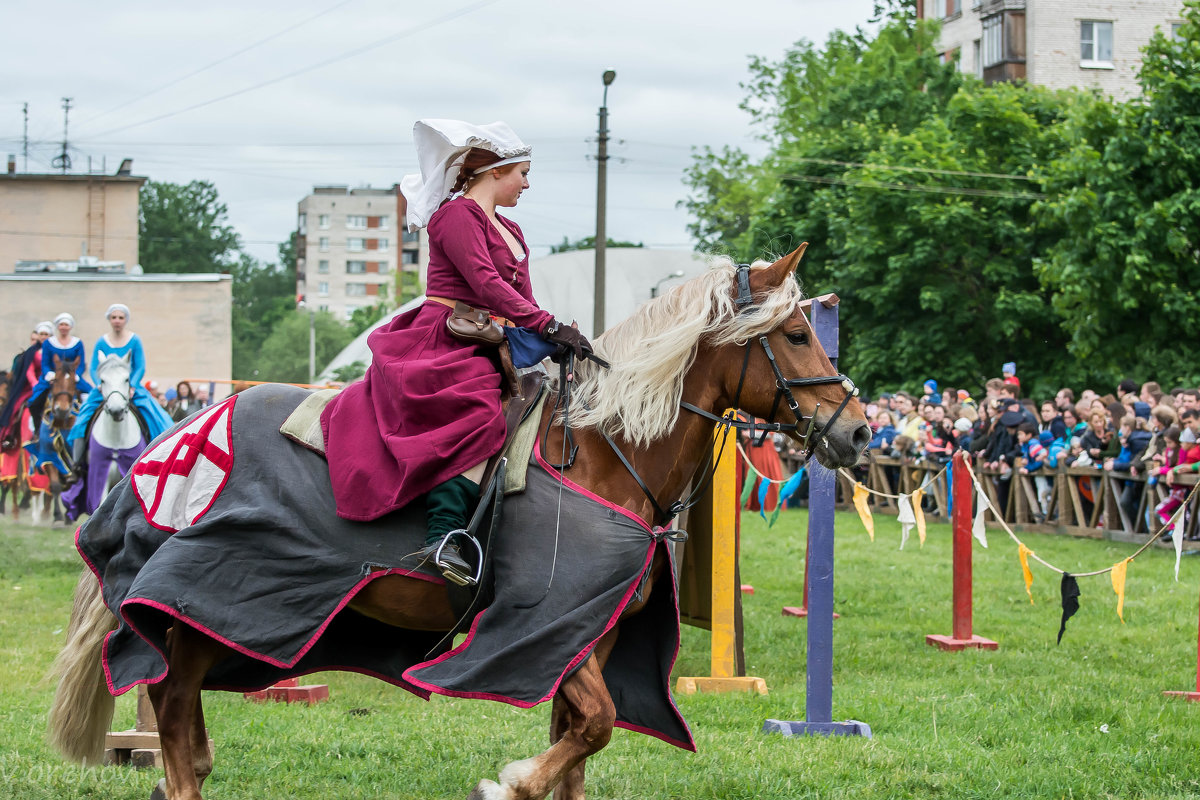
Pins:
x,y
1140,430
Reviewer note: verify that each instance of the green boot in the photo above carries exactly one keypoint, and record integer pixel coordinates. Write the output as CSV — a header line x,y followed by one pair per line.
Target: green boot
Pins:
x,y
448,507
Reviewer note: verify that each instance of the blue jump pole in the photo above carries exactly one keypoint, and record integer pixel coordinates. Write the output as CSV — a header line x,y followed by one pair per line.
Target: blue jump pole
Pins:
x,y
822,496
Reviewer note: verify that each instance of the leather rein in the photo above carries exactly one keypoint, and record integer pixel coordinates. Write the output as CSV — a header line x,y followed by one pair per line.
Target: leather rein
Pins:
x,y
810,438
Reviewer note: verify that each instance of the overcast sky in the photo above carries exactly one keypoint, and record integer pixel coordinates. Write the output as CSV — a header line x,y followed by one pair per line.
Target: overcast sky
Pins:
x,y
266,99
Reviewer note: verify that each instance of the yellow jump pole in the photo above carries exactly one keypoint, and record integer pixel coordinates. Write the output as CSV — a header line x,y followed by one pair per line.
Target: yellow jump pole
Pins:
x,y
725,590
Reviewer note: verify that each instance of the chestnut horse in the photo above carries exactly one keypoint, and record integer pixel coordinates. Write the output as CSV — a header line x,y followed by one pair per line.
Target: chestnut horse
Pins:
x,y
733,337
51,453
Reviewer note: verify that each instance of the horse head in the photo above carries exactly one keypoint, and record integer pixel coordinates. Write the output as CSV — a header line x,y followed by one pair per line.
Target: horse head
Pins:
x,y
784,373
62,392
113,373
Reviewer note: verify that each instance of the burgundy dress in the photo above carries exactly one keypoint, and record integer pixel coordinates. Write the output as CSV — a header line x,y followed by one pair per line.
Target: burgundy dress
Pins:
x,y
429,406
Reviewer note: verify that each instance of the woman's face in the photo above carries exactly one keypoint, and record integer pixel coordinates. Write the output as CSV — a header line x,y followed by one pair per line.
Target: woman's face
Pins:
x,y
117,320
513,180
1098,405
1069,418
1049,412
64,329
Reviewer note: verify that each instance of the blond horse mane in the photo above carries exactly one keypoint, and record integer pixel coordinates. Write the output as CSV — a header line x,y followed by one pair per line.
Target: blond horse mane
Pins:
x,y
653,350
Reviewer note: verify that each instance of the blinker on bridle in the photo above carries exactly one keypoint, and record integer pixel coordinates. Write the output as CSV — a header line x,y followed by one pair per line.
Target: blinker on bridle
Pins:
x,y
783,391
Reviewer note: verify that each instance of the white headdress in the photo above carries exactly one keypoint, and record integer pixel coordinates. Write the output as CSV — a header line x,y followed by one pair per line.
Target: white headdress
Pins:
x,y
64,317
117,307
441,146
44,327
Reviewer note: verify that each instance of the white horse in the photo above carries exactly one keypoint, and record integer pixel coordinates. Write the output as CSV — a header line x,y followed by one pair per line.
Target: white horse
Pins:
x,y
116,438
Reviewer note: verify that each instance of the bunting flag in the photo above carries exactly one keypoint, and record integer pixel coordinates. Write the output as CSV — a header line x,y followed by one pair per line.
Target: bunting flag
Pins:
x,y
1177,540
747,487
978,530
788,489
764,488
918,514
1070,601
864,512
906,518
1024,553
1118,582
775,514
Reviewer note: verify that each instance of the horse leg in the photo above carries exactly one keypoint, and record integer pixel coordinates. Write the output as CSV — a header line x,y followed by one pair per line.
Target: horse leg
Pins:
x,y
592,715
561,716
176,699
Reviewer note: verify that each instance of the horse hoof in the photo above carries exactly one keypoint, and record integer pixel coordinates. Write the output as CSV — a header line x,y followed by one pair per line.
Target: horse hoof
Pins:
x,y
489,790
160,790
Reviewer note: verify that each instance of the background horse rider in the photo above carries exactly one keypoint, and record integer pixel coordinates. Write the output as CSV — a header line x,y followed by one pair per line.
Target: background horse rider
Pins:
x,y
67,347
120,341
427,416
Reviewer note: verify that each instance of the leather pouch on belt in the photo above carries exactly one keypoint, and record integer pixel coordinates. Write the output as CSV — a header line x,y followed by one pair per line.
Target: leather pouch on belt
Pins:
x,y
474,325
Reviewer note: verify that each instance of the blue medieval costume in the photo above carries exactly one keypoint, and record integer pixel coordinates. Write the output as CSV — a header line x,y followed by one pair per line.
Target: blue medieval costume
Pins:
x,y
50,349
151,413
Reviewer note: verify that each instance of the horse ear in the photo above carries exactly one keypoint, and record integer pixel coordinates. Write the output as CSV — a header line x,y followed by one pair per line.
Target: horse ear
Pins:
x,y
775,274
57,363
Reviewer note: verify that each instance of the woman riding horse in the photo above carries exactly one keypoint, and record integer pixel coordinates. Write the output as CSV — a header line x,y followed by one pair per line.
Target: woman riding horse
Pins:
x,y
427,416
66,347
120,341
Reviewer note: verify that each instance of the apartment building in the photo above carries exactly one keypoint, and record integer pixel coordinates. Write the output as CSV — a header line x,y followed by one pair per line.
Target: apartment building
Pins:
x,y
1055,43
353,251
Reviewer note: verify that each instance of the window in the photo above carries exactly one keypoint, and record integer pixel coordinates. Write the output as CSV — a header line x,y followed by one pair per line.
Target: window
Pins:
x,y
356,245
323,289
356,222
409,236
356,290
409,257
383,245
323,244
323,221
993,40
356,267
323,266
1095,43
953,8
302,224
1176,27
383,223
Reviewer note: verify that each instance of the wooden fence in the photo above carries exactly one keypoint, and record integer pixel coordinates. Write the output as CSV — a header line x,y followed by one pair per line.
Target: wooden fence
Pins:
x,y
1080,501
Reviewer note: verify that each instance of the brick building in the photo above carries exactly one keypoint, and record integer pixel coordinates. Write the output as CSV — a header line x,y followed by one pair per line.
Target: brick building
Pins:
x,y
352,250
1055,43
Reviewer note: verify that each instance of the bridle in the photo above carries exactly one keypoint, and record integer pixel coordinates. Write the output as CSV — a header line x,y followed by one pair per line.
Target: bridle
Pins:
x,y
783,391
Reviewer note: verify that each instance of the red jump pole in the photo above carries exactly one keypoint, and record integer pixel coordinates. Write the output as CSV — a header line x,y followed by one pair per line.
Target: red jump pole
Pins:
x,y
1193,696
961,635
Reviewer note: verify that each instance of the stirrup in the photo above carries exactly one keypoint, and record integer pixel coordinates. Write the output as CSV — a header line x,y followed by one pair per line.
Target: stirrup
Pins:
x,y
453,572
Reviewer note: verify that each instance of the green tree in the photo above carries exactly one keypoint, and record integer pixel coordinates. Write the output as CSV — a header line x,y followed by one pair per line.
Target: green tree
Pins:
x,y
263,295
284,354
183,228
364,317
1124,206
587,243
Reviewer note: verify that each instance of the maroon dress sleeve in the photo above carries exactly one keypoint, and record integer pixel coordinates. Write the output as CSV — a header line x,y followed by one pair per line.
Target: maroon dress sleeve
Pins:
x,y
463,238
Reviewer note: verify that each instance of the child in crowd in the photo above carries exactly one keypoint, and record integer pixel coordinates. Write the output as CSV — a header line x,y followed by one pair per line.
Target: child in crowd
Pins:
x,y
1009,370
1175,456
1031,460
885,432
938,446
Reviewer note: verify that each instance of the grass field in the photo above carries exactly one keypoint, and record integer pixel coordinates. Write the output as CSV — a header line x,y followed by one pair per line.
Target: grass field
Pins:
x,y
1032,720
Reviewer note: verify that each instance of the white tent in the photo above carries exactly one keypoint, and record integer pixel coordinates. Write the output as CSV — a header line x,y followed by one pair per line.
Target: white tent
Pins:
x,y
562,284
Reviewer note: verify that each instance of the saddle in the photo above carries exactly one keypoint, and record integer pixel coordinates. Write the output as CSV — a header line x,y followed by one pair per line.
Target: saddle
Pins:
x,y
303,426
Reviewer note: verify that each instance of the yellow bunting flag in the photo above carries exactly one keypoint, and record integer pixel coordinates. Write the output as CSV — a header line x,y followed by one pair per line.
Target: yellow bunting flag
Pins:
x,y
1024,552
917,495
864,512
1118,581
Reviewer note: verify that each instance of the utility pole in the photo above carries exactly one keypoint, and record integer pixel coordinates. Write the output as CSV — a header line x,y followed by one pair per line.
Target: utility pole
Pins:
x,y
63,159
601,201
25,138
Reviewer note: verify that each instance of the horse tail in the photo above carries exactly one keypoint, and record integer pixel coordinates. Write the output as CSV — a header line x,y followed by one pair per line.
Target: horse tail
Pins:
x,y
82,707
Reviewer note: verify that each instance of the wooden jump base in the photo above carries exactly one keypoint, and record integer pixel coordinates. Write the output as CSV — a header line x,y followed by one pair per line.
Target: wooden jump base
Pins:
x,y
289,690
138,747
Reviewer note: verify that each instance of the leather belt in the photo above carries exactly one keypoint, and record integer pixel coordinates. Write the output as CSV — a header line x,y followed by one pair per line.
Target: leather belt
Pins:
x,y
451,304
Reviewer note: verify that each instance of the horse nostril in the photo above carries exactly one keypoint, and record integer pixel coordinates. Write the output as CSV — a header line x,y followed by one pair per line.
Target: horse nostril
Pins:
x,y
861,437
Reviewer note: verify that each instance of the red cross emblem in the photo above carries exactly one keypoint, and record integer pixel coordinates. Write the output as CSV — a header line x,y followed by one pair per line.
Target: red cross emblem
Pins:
x,y
180,478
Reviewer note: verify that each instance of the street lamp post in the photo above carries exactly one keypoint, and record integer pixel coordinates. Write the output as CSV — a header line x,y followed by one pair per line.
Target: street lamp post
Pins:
x,y
312,345
601,200
654,289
